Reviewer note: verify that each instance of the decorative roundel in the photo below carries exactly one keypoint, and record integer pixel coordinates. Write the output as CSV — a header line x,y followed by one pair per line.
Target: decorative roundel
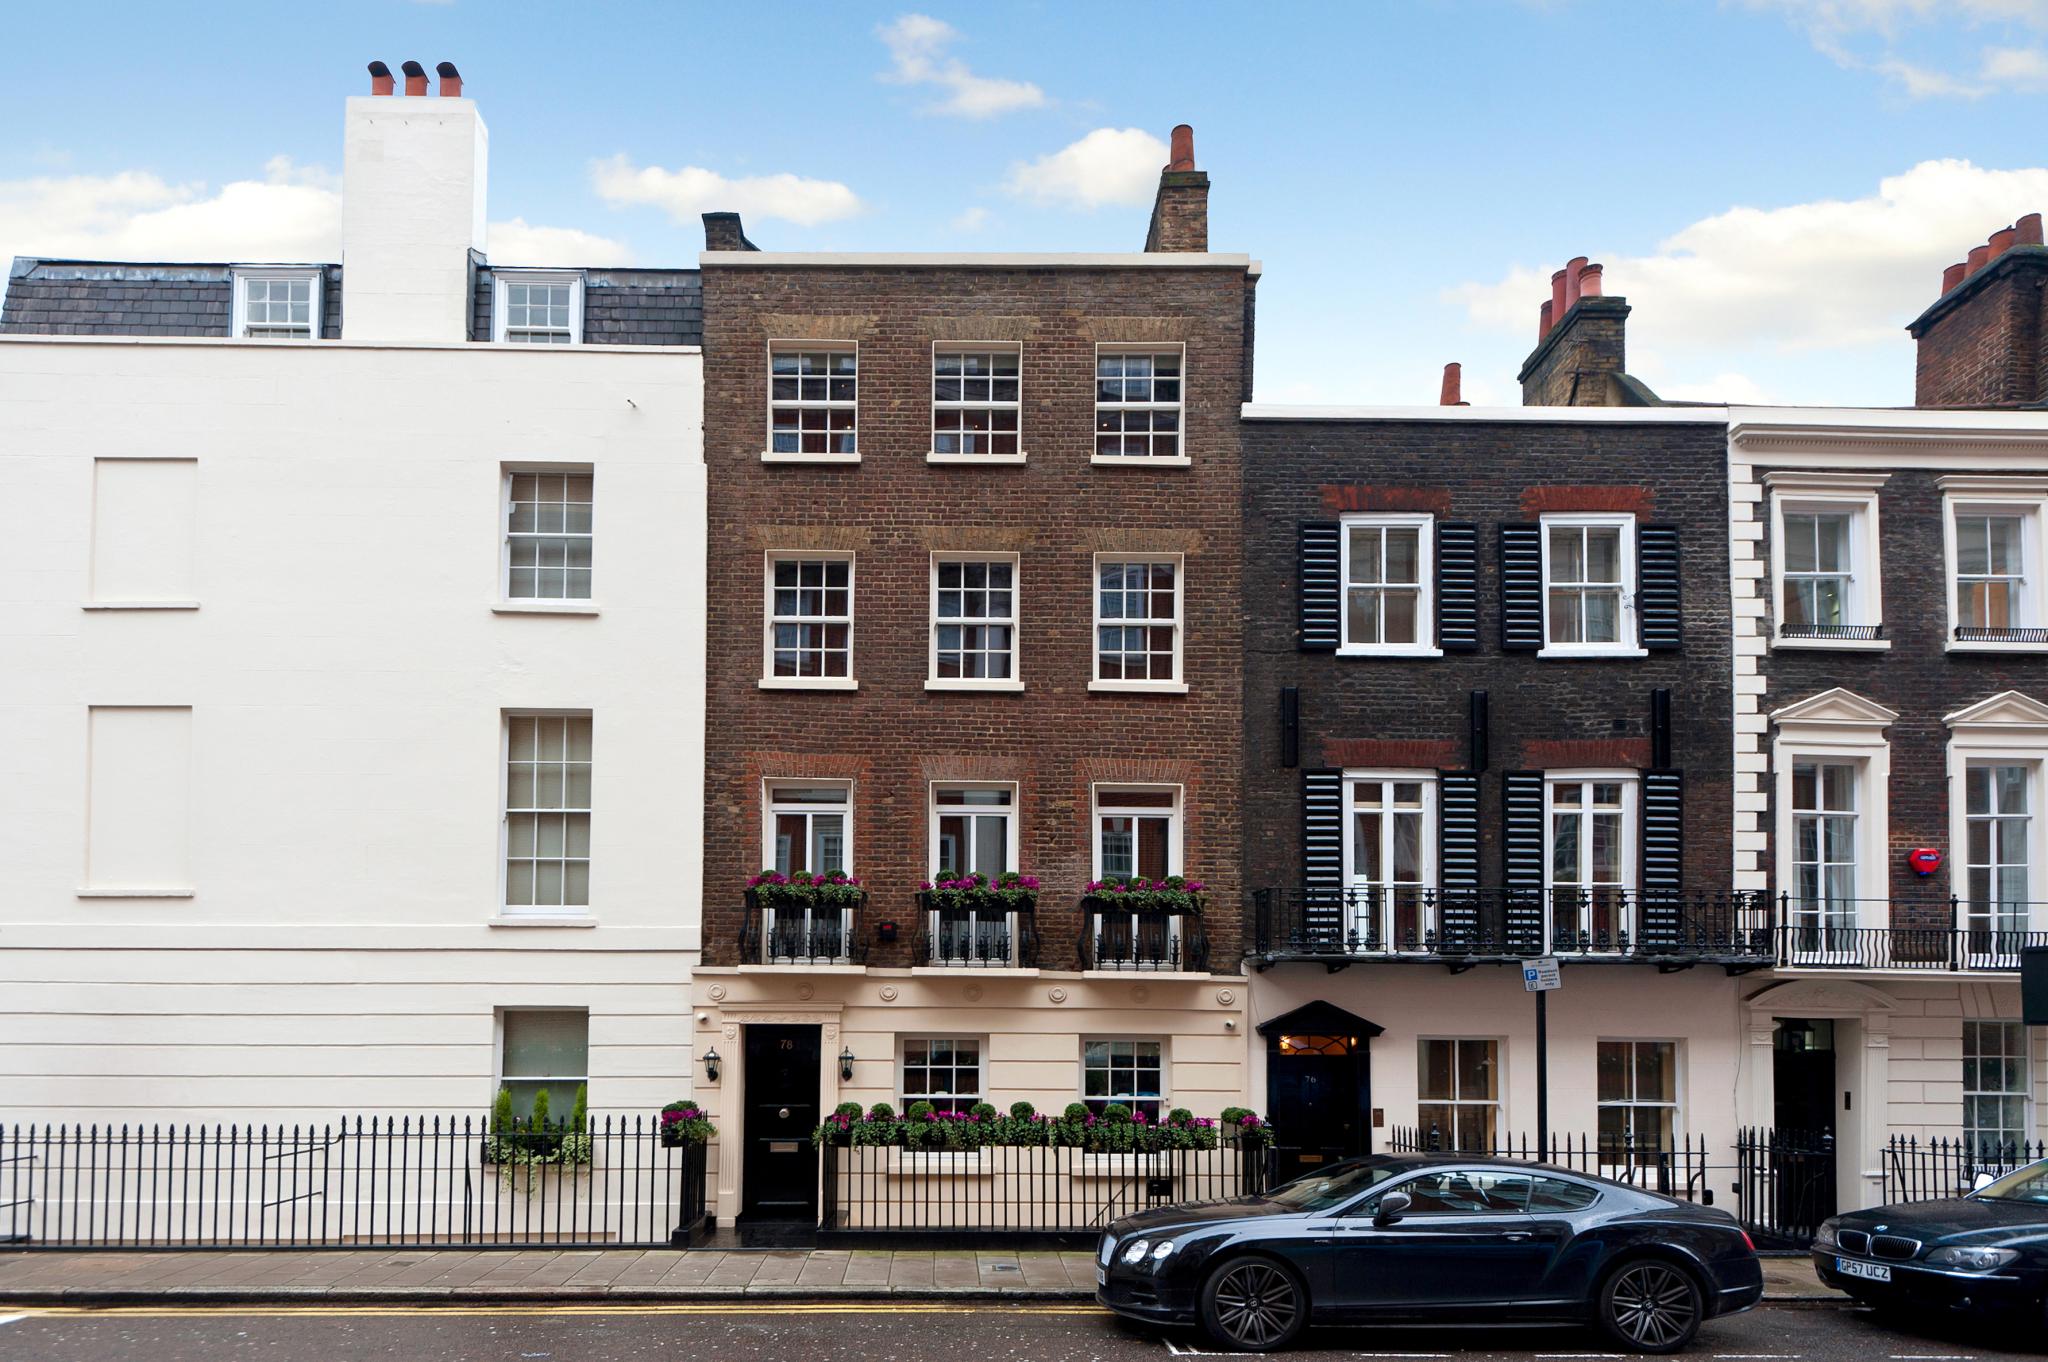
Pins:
x,y
972,993
806,992
888,993
1924,860
1058,995
1140,993
1225,997
718,993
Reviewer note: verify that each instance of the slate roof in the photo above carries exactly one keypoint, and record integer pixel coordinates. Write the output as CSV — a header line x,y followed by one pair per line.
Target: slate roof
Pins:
x,y
620,306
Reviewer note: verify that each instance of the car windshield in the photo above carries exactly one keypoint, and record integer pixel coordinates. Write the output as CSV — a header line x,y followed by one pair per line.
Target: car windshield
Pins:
x,y
2029,1184
1321,1191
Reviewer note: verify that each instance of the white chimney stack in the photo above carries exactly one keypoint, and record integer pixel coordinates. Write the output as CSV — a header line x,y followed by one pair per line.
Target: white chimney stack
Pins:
x,y
412,208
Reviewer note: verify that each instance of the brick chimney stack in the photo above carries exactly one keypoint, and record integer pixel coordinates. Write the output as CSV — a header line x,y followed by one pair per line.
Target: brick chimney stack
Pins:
x,y
1984,340
1180,215
1581,353
723,232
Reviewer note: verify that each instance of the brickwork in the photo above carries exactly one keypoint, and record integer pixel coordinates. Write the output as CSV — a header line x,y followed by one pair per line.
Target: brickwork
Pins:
x,y
1981,345
1180,213
892,736
1572,366
1544,712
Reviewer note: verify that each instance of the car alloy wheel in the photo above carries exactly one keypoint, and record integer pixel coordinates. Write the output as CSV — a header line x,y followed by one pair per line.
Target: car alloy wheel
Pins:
x,y
1254,1305
1652,1307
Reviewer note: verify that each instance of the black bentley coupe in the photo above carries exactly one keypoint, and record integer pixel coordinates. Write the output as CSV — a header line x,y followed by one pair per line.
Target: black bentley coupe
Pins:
x,y
1985,1253
1415,1237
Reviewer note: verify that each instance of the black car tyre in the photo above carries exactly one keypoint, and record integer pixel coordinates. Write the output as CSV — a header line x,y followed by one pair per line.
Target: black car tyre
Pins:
x,y
1650,1306
1254,1305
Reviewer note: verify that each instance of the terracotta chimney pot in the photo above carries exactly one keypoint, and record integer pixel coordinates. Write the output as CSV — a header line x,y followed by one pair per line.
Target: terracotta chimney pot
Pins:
x,y
1952,276
415,78
1590,281
1182,153
1980,256
1452,394
1558,306
1572,269
1544,318
451,80
381,82
2028,229
2001,241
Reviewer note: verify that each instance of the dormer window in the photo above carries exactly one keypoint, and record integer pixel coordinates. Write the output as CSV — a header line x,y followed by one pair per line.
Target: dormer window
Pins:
x,y
532,307
277,304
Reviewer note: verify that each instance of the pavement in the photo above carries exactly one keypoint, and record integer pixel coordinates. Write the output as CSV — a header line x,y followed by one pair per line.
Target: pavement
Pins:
x,y
437,1275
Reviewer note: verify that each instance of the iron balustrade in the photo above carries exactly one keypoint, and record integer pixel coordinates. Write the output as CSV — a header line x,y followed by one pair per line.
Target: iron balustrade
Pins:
x,y
871,1192
1114,936
804,934
1950,935
1974,633
1859,632
451,1182
1941,1167
981,937
1471,925
1784,1184
1675,1168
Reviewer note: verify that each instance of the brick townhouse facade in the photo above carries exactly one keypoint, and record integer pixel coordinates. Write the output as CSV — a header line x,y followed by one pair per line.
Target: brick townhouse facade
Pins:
x,y
975,593
1487,717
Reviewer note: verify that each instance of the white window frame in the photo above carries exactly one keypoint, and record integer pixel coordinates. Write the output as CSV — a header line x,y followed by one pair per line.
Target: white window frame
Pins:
x,y
974,347
1425,567
1629,641
562,1103
1823,730
1164,1100
1178,685
903,1044
1362,908
529,912
1499,1100
1856,496
769,809
1643,1173
2025,1092
1015,680
244,275
2006,730
502,278
1626,929
769,680
769,454
1179,460
2023,497
935,811
1176,828
568,605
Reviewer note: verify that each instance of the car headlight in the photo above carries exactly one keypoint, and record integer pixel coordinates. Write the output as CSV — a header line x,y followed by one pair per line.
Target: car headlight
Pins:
x,y
1971,1259
1134,1252
1162,1250
1824,1237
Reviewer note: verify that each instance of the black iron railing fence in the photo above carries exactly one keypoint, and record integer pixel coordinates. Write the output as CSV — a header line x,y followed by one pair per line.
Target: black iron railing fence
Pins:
x,y
1051,1190
1113,937
987,937
788,933
1678,1167
1785,1183
1944,934
366,1182
1918,1169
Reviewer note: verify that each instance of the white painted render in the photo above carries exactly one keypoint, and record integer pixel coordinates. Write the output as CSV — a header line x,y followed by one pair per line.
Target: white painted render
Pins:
x,y
333,941
414,173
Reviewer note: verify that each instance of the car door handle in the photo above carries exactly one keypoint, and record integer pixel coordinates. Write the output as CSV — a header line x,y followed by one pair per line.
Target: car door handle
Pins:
x,y
1518,1236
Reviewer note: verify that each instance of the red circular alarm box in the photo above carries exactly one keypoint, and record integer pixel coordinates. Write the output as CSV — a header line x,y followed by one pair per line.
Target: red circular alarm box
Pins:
x,y
1924,860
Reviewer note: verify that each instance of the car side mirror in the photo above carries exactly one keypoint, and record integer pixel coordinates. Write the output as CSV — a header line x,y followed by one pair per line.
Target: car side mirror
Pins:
x,y
1981,1181
1391,1207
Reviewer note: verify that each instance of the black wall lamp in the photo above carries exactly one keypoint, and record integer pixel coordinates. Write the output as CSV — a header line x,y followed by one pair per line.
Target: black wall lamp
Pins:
x,y
711,1066
846,1066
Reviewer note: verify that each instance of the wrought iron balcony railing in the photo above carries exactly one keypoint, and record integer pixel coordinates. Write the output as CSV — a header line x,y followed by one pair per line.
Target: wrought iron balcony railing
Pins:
x,y
990,937
1113,937
1859,632
1463,926
787,933
1943,935
1972,633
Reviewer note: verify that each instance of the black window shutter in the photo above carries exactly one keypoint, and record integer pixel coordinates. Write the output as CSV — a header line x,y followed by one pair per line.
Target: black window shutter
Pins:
x,y
1457,587
1661,925
1521,588
1657,594
1321,594
1322,855
1522,860
1457,845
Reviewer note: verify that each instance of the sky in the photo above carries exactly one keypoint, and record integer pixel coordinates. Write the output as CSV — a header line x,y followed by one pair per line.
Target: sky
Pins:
x,y
1775,185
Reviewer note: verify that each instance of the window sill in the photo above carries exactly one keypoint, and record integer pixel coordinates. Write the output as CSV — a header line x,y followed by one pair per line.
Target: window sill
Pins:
x,y
1390,652
542,920
803,967
136,893
999,687
1141,461
1566,654
1140,687
1006,459
808,683
770,456
1136,974
973,971
1992,646
139,605
1851,645
544,608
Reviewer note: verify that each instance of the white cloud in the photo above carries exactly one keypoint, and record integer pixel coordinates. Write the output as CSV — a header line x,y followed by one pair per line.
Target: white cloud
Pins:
x,y
1109,165
1739,293
1868,35
516,242
917,45
687,193
972,219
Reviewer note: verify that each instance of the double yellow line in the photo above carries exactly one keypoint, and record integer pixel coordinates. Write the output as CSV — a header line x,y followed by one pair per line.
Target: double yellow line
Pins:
x,y
728,1308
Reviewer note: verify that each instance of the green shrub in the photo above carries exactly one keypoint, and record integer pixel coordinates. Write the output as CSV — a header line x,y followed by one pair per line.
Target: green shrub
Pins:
x,y
1023,1111
1180,1116
881,1111
1116,1114
920,1111
983,1111
1076,1111
850,1110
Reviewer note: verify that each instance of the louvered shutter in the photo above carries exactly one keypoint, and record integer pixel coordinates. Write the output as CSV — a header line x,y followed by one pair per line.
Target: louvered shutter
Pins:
x,y
1321,594
1662,919
1457,587
1322,857
1657,589
1521,588
1457,843
1522,860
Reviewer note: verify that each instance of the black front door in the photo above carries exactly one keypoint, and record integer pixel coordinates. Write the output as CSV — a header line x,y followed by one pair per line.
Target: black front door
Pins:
x,y
1316,1092
779,1179
1802,1152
